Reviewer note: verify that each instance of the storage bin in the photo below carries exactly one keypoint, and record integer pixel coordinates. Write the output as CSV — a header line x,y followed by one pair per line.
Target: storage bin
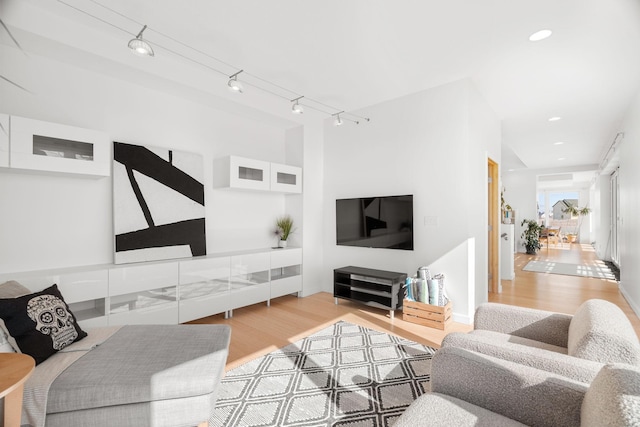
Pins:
x,y
427,314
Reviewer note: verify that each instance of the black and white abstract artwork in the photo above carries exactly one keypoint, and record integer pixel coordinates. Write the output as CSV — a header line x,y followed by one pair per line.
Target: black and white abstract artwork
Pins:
x,y
158,203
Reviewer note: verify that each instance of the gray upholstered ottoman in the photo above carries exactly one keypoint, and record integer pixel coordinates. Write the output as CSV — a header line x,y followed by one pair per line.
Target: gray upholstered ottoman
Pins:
x,y
143,376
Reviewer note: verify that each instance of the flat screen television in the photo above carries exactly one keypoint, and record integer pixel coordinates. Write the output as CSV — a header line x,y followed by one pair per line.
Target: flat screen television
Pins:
x,y
375,222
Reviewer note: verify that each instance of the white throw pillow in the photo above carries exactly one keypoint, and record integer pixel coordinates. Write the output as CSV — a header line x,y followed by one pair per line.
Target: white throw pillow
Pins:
x,y
5,347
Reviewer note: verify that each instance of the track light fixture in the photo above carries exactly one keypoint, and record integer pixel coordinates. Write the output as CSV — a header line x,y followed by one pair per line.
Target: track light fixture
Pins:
x,y
338,121
234,84
140,47
296,108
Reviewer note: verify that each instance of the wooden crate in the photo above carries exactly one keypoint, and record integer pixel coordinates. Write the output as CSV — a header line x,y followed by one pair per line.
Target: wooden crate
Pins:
x,y
427,314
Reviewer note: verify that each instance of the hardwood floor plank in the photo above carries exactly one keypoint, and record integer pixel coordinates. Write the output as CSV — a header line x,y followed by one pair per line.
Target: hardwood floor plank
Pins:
x,y
258,329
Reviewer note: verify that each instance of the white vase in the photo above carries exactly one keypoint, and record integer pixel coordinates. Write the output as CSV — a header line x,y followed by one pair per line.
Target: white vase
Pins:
x,y
282,244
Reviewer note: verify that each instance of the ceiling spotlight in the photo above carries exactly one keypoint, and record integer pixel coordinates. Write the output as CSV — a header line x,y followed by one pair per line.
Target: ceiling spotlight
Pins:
x,y
234,84
296,108
558,143
338,121
540,35
140,47
555,118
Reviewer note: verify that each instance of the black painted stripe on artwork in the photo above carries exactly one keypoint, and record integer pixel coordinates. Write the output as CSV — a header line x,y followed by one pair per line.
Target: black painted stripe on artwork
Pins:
x,y
141,201
190,232
148,163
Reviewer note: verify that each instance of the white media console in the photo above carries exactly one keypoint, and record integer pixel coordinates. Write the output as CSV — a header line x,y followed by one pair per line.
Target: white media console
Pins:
x,y
173,291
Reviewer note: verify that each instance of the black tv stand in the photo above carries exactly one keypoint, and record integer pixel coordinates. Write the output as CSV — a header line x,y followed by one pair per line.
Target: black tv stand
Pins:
x,y
375,288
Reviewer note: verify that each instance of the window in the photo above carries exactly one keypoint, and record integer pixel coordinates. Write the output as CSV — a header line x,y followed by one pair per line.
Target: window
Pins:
x,y
552,205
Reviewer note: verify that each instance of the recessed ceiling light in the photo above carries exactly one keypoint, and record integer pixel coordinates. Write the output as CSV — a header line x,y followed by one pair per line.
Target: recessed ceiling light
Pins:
x,y
510,170
540,35
560,158
555,118
558,143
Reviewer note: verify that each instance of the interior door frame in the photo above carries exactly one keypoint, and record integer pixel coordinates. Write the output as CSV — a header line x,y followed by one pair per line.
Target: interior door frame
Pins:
x,y
493,241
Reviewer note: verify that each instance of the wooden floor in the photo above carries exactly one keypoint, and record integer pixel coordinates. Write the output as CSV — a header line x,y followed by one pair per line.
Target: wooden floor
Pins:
x,y
258,329
558,292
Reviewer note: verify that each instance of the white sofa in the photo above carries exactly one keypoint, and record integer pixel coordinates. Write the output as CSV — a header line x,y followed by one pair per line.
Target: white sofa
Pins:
x,y
134,375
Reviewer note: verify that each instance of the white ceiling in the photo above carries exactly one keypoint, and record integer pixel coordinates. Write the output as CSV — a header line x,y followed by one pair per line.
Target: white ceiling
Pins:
x,y
357,53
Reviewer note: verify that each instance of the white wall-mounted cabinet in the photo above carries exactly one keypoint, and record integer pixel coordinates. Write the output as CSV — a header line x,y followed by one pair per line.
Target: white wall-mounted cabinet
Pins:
x,y
241,173
40,146
285,178
170,292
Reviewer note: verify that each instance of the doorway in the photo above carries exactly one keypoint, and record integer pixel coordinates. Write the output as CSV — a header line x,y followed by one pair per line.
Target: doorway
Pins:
x,y
493,203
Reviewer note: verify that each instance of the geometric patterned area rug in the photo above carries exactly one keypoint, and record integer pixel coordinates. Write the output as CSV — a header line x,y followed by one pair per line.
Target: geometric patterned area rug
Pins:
x,y
597,269
343,375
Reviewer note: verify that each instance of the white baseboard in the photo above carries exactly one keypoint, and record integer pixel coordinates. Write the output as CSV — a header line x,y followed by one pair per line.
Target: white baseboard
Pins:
x,y
632,304
461,318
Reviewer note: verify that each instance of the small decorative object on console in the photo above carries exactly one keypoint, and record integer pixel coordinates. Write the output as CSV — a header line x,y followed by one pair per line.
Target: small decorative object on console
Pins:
x,y
284,229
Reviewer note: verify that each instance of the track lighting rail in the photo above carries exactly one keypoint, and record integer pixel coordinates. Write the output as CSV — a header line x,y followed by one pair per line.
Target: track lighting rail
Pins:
x,y
234,83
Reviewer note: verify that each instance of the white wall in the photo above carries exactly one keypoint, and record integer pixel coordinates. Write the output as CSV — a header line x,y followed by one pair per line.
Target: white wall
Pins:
x,y
601,216
306,209
485,141
434,145
629,177
520,194
52,221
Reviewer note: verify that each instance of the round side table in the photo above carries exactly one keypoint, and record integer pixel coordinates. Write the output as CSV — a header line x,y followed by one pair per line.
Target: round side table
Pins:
x,y
15,368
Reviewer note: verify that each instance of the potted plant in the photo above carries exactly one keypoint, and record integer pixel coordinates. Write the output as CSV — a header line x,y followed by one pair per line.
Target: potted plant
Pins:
x,y
575,211
531,235
284,229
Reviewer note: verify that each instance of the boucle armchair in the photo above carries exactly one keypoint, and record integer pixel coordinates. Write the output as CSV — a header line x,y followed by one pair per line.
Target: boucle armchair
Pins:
x,y
573,346
473,389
